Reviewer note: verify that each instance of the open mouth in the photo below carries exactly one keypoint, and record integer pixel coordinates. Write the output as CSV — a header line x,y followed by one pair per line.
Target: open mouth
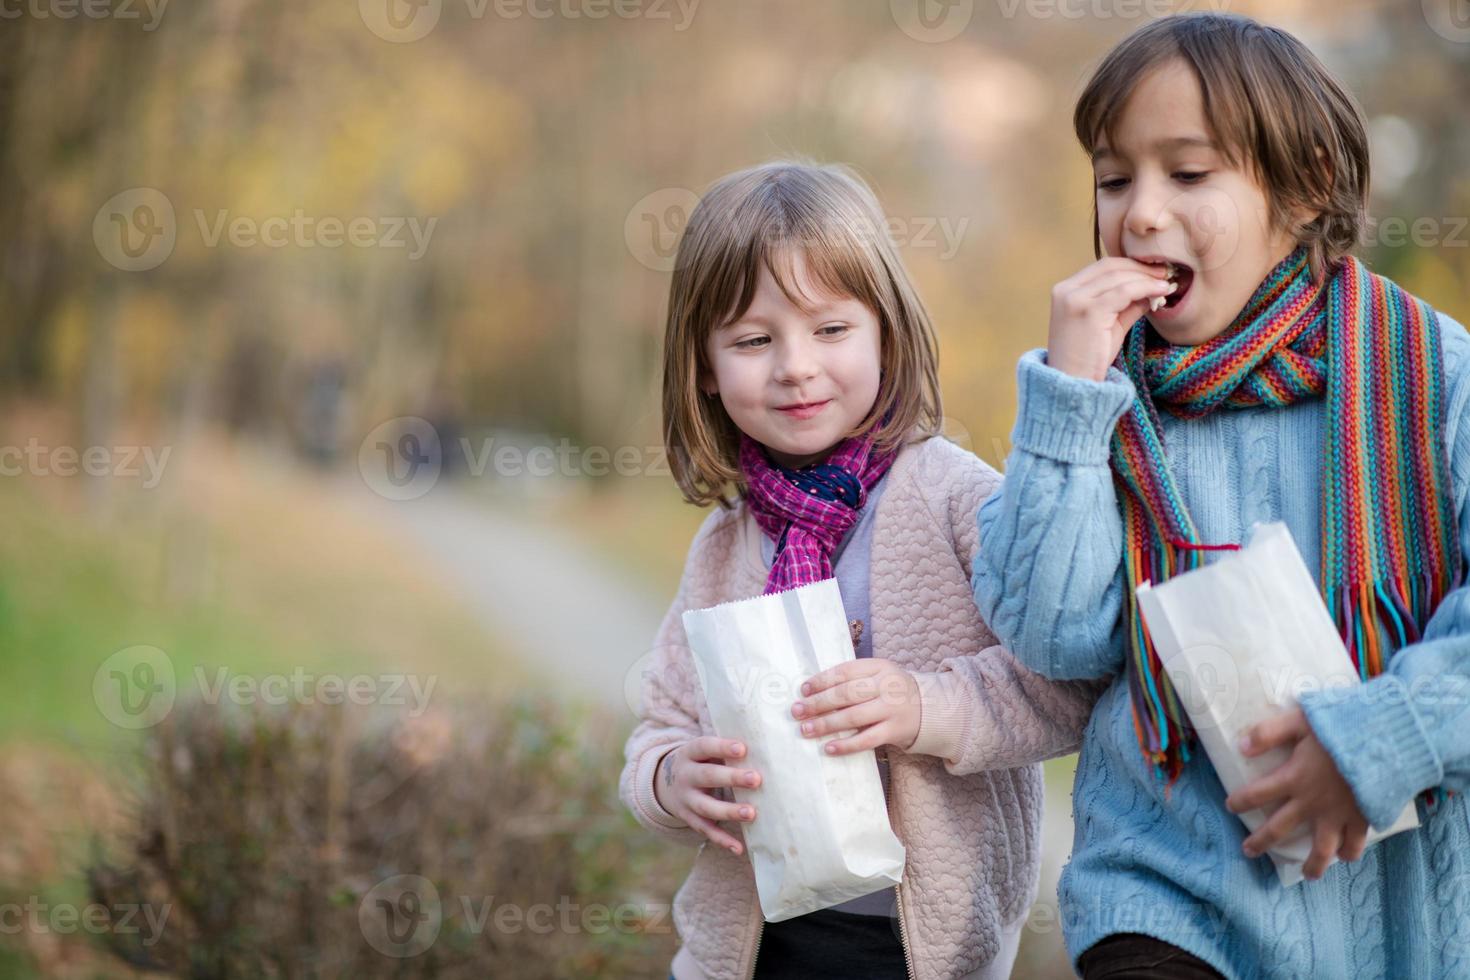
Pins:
x,y
1181,275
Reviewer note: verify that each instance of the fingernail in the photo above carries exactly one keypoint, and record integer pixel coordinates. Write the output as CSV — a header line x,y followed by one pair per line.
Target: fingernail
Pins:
x,y
806,727
745,812
734,848
831,748
806,689
798,709
750,779
1245,743
1251,852
736,748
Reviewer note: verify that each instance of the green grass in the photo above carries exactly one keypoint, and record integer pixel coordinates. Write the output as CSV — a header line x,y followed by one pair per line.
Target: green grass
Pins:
x,y
72,593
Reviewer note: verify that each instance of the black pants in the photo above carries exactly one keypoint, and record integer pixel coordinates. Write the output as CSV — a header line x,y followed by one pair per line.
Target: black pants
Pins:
x,y
1132,956
828,943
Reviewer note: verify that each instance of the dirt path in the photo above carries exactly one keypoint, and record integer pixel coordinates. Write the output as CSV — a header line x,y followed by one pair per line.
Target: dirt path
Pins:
x,y
577,619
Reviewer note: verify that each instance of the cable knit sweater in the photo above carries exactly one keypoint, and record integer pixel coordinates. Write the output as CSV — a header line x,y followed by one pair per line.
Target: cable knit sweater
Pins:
x,y
1049,579
965,798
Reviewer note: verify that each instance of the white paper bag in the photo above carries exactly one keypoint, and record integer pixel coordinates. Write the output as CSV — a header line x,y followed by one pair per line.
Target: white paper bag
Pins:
x,y
821,834
1241,639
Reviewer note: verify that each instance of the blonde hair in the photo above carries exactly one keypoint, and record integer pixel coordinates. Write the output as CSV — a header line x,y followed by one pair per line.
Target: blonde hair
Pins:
x,y
758,218
1272,105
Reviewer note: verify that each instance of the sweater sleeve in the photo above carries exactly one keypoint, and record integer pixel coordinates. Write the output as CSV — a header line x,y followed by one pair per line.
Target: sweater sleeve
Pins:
x,y
669,714
1048,576
986,710
1408,729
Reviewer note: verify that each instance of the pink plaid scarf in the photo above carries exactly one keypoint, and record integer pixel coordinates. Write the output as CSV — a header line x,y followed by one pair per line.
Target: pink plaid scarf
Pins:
x,y
807,511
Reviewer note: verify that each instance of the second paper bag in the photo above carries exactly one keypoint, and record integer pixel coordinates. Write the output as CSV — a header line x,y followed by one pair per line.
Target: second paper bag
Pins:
x,y
1240,640
821,834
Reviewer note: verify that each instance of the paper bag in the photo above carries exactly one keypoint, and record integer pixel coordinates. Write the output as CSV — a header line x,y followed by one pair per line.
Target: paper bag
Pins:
x,y
1241,639
821,834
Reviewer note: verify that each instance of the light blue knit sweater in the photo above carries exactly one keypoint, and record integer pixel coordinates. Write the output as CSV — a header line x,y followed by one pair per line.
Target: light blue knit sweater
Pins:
x,y
1049,579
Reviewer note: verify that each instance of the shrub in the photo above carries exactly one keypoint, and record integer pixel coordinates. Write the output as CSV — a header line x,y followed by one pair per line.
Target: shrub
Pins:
x,y
313,840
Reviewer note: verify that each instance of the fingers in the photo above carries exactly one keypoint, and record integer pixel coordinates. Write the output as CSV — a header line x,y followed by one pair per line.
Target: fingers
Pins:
x,y
1133,291
858,716
1119,277
710,808
840,674
1286,728
1354,840
707,776
1326,839
710,747
885,683
1273,786
713,833
1113,263
1283,825
869,738
841,696
1132,314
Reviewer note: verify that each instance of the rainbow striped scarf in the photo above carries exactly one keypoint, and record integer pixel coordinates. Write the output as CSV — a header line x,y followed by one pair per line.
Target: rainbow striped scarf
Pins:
x,y
1390,546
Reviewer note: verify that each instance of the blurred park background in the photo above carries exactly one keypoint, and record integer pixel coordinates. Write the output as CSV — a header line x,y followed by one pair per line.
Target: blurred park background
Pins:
x,y
336,526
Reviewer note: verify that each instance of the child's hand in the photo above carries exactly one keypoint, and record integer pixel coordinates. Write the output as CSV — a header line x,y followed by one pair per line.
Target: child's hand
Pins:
x,y
687,774
872,694
1308,788
1092,311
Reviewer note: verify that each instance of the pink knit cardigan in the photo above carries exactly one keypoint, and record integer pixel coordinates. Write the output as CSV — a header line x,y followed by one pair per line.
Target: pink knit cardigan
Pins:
x,y
965,798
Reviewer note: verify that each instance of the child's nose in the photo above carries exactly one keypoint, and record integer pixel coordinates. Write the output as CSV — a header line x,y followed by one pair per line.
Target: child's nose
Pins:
x,y
1148,211
796,369
796,364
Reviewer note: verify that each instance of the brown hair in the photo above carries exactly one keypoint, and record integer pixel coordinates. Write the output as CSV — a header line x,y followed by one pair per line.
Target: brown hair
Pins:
x,y
1270,103
756,219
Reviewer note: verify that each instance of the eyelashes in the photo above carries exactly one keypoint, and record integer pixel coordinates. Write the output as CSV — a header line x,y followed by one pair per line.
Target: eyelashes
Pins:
x,y
1182,176
750,342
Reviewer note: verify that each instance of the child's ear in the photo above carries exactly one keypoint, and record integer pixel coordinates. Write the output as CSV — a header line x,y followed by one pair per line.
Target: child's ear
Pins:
x,y
1303,215
1326,162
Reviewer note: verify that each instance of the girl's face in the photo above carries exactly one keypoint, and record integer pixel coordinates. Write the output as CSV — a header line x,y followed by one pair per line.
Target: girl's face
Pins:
x,y
1165,194
796,380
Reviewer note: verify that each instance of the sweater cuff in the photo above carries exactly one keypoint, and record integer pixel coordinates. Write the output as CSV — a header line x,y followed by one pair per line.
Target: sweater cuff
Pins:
x,y
1374,737
643,789
945,713
1068,419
